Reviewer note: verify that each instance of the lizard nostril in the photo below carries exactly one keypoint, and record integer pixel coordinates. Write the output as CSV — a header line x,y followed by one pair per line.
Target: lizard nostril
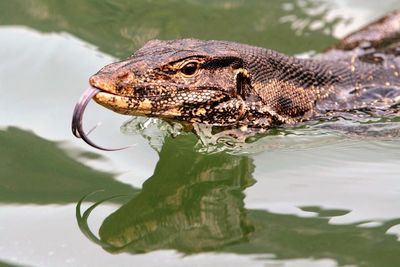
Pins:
x,y
123,75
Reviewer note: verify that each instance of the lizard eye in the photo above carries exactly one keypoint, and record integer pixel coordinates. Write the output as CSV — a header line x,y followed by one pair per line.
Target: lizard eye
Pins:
x,y
190,68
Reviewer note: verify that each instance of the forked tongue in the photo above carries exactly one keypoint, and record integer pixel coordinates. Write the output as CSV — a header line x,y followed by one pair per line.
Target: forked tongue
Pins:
x,y
77,118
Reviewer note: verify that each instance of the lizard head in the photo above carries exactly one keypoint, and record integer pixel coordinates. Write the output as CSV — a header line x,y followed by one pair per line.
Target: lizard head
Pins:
x,y
182,80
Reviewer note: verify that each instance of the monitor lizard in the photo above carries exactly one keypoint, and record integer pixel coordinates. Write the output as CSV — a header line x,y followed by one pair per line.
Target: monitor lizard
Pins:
x,y
230,84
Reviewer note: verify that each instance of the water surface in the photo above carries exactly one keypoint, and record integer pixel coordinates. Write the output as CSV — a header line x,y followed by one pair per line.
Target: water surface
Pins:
x,y
306,197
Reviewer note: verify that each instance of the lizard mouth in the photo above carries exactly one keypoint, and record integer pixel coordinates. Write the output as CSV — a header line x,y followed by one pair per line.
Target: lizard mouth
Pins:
x,y
127,105
178,104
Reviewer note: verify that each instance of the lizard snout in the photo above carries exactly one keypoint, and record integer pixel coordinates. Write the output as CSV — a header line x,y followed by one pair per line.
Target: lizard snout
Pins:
x,y
117,82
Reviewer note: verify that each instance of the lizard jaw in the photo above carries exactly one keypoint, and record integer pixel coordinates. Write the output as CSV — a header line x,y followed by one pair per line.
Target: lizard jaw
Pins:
x,y
124,104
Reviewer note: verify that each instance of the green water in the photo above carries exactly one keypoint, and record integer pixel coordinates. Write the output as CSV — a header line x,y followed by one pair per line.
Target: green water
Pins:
x,y
309,199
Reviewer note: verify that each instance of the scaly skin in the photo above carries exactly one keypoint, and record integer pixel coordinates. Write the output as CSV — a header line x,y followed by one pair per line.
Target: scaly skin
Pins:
x,y
230,84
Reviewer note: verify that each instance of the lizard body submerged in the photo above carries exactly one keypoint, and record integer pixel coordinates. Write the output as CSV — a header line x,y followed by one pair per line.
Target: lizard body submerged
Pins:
x,y
230,84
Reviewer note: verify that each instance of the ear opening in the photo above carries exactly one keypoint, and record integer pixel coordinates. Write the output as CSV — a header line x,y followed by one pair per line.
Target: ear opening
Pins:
x,y
243,83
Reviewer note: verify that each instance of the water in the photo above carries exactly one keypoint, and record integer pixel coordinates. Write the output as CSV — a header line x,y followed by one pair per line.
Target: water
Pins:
x,y
313,196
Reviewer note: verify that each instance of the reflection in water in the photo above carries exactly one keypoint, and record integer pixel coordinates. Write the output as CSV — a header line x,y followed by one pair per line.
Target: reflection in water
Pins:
x,y
194,203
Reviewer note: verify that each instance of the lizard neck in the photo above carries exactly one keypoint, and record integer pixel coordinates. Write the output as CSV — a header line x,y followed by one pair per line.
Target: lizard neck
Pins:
x,y
271,65
288,85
